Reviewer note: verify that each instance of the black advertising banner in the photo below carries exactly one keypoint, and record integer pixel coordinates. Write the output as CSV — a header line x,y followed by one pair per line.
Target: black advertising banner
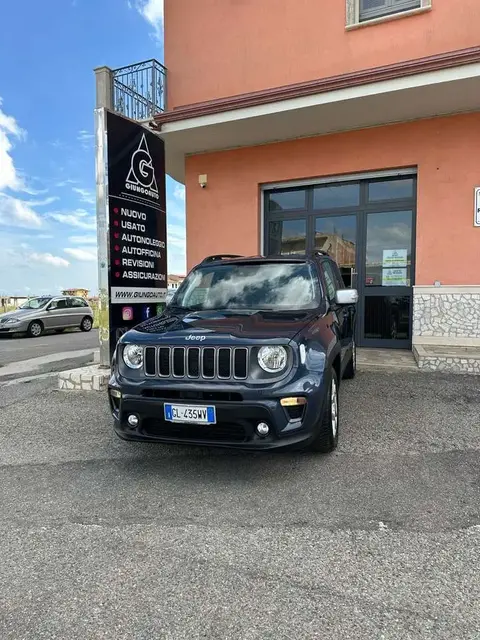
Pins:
x,y
137,224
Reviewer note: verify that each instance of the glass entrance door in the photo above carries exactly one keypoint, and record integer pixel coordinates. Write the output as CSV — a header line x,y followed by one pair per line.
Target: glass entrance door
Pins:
x,y
386,273
368,228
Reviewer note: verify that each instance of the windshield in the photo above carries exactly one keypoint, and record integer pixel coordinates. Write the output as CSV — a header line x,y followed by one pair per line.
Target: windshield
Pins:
x,y
35,303
272,286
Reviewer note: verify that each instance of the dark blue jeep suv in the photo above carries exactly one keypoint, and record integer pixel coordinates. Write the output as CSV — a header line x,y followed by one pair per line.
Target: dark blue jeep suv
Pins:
x,y
249,354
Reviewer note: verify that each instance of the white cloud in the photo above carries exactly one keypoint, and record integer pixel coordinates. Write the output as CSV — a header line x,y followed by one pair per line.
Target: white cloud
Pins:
x,y
85,138
42,203
17,213
90,239
86,195
79,218
65,183
179,192
9,176
14,211
152,11
85,255
84,135
47,258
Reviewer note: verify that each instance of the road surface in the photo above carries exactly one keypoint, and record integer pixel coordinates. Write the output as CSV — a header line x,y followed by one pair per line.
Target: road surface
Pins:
x,y
17,349
107,539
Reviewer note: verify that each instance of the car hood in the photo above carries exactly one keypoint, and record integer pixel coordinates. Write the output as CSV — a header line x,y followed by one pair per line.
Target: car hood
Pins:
x,y
18,314
205,326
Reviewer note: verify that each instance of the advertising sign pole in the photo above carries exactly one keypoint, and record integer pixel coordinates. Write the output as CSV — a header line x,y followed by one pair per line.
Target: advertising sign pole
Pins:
x,y
131,226
101,178
137,224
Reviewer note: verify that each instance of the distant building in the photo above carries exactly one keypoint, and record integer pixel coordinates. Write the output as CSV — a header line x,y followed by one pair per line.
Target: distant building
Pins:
x,y
79,293
12,301
174,282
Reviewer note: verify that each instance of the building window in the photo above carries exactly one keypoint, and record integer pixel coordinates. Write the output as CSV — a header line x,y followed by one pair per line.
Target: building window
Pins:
x,y
370,9
360,11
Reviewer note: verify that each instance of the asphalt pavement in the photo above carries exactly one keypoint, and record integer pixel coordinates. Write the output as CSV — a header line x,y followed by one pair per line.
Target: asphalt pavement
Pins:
x,y
107,539
18,348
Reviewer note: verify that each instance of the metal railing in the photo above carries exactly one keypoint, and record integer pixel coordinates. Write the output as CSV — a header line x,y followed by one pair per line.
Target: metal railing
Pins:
x,y
139,90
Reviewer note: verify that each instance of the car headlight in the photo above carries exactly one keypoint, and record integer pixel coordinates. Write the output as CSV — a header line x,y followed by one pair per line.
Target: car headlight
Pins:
x,y
272,359
133,356
12,321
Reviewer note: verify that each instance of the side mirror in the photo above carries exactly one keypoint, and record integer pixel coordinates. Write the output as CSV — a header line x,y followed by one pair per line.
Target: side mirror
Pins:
x,y
346,296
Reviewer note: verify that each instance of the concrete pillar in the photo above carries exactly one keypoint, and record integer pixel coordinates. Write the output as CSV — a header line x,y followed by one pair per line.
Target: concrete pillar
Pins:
x,y
104,87
104,101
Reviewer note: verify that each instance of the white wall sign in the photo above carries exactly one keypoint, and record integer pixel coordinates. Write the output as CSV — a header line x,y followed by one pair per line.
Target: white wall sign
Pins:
x,y
394,278
476,216
394,258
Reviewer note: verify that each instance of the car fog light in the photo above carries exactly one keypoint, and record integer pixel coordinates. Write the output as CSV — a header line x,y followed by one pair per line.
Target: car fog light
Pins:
x,y
293,402
133,420
263,429
115,393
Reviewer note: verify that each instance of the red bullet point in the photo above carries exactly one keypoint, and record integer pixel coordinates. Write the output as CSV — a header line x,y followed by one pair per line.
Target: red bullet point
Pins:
x,y
117,262
117,274
117,248
115,222
116,235
115,210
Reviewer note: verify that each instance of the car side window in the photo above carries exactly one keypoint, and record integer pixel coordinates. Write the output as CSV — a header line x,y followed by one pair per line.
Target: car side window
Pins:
x,y
329,280
76,302
62,303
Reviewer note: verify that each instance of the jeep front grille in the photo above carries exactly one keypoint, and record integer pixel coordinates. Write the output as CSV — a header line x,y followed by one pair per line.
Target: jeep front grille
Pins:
x,y
204,363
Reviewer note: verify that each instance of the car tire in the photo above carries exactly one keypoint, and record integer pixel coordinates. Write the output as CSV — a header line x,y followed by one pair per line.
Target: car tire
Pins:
x,y
86,324
326,439
351,368
35,329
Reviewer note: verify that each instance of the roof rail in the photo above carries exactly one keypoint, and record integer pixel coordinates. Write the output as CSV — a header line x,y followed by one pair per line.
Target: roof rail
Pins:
x,y
318,252
220,256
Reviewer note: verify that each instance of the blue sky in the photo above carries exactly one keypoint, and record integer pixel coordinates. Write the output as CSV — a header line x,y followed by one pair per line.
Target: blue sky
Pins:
x,y
47,93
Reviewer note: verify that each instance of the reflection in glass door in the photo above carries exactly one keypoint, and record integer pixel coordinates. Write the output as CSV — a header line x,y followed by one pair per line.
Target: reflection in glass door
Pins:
x,y
288,236
337,236
388,278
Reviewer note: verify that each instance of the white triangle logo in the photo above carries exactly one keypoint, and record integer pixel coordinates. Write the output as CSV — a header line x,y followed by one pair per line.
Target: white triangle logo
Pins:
x,y
142,172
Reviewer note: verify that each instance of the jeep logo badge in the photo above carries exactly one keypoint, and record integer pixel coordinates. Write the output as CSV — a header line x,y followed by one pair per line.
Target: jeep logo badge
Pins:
x,y
198,338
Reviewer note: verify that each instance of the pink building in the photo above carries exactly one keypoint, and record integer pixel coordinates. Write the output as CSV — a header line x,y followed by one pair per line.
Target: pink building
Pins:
x,y
358,119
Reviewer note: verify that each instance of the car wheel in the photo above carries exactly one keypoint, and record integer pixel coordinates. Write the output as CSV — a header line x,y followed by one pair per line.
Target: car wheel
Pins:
x,y
35,329
351,368
327,437
86,324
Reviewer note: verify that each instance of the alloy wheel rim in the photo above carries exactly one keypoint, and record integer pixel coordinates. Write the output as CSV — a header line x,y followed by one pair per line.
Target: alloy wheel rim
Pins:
x,y
87,324
334,408
36,329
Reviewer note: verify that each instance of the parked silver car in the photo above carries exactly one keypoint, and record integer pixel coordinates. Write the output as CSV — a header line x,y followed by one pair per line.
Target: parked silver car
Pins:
x,y
47,313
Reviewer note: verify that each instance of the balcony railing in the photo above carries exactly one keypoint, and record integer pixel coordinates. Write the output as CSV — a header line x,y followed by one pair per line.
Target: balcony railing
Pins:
x,y
139,90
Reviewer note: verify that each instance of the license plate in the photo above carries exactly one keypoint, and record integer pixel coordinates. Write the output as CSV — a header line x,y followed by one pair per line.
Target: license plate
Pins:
x,y
191,414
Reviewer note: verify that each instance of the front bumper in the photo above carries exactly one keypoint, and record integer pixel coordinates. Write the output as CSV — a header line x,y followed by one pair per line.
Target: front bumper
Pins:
x,y
10,329
238,412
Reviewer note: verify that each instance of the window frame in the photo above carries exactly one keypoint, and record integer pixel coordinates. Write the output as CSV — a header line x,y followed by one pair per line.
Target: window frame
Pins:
x,y
353,13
